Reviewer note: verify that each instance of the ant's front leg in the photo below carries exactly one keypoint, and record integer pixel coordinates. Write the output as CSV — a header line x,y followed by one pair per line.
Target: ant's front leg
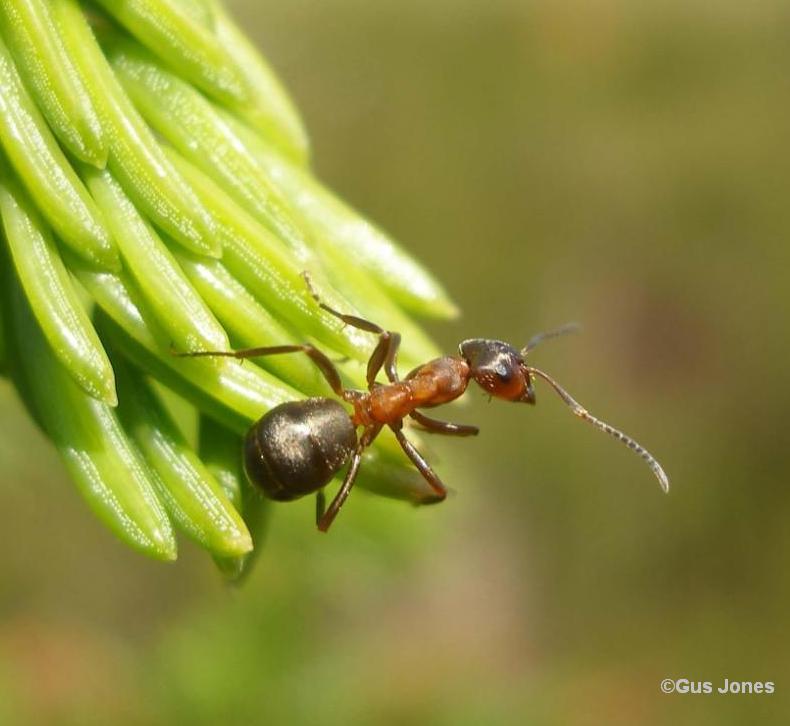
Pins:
x,y
434,426
386,352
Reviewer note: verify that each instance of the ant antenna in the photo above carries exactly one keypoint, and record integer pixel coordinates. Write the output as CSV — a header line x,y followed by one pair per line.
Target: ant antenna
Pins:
x,y
582,413
556,333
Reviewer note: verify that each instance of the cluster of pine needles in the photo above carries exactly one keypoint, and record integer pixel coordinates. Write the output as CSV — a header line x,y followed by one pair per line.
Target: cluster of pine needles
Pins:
x,y
156,195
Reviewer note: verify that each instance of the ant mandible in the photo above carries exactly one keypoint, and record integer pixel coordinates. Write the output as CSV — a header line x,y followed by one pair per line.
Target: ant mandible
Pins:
x,y
297,447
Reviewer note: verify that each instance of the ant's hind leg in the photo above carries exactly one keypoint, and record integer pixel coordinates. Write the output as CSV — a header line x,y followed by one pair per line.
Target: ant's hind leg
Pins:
x,y
327,517
434,426
440,490
324,521
325,365
320,506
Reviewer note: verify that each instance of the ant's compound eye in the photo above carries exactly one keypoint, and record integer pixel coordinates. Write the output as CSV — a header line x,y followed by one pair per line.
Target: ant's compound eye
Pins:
x,y
507,382
504,373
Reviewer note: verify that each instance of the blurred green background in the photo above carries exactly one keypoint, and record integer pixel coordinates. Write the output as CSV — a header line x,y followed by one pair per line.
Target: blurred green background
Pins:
x,y
618,163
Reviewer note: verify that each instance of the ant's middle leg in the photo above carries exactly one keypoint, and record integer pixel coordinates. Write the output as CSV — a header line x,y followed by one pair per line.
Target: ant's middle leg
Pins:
x,y
385,353
440,490
325,365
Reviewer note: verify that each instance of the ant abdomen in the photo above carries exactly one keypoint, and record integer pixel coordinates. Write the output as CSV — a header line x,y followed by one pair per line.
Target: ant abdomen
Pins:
x,y
297,447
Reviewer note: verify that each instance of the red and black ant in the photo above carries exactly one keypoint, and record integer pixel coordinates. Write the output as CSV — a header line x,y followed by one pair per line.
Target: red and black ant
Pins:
x,y
297,447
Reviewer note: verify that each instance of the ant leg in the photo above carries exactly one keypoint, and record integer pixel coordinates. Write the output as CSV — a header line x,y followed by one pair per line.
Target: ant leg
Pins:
x,y
327,517
353,320
422,466
386,355
320,506
431,425
325,365
386,351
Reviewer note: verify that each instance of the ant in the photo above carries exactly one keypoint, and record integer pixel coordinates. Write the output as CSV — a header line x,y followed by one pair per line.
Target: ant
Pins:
x,y
297,447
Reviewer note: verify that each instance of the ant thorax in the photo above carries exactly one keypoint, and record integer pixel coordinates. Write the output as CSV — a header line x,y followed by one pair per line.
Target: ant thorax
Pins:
x,y
432,384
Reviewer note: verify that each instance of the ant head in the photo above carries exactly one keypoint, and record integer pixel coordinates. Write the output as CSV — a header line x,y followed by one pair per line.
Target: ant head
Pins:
x,y
498,368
